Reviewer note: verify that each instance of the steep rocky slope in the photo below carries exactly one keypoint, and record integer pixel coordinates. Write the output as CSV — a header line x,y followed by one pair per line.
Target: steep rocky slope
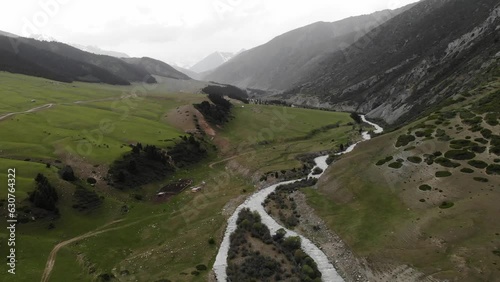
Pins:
x,y
289,57
412,61
424,196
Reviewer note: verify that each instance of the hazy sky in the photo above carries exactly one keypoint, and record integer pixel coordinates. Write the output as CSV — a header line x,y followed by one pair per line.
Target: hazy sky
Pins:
x,y
182,31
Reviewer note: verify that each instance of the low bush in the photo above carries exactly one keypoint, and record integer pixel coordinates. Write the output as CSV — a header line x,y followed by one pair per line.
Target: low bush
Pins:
x,y
446,162
446,205
425,187
481,140
459,155
384,161
481,179
404,140
201,267
477,164
395,165
493,169
91,180
415,159
443,174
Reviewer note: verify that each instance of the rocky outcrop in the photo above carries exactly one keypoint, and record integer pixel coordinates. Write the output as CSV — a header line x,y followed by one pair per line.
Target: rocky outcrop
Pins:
x,y
413,61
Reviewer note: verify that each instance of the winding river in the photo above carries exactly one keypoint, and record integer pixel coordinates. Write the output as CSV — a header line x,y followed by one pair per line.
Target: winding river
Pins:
x,y
254,203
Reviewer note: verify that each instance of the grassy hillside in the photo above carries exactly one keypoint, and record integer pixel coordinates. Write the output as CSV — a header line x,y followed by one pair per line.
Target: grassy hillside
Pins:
x,y
269,138
134,235
424,195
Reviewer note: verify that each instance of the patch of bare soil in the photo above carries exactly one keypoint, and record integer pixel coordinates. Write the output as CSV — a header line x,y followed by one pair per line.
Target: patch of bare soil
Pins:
x,y
83,168
183,117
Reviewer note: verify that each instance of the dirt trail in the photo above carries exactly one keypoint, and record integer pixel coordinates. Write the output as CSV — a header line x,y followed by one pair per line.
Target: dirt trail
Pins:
x,y
211,165
52,256
50,105
35,109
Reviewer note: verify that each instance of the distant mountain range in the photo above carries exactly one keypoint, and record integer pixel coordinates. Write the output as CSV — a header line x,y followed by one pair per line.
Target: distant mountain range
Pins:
x,y
156,67
188,72
8,34
62,62
99,51
390,64
289,57
211,62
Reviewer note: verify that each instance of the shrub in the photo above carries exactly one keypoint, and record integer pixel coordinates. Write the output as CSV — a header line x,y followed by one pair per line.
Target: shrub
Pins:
x,y
425,187
459,155
201,267
395,165
493,169
446,205
492,119
415,159
481,179
384,161
478,149
91,180
481,140
404,140
426,133
467,170
461,143
446,162
486,133
85,199
67,173
45,195
443,174
477,164
429,159
317,171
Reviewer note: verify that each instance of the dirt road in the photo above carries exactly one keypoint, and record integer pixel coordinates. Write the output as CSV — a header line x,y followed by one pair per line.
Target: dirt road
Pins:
x,y
35,109
52,256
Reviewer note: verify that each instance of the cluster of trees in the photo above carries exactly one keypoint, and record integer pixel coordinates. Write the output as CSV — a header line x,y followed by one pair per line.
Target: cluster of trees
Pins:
x,y
308,182
86,199
286,104
288,213
230,91
149,163
356,118
67,173
189,151
217,113
45,195
245,264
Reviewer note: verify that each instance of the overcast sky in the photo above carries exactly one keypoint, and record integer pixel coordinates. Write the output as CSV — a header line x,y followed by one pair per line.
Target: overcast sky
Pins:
x,y
181,32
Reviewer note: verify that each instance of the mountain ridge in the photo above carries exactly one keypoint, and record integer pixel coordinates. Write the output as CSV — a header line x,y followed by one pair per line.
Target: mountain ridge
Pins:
x,y
211,62
282,61
408,61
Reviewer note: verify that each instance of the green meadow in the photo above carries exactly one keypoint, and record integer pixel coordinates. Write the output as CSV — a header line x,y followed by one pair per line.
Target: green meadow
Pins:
x,y
133,239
